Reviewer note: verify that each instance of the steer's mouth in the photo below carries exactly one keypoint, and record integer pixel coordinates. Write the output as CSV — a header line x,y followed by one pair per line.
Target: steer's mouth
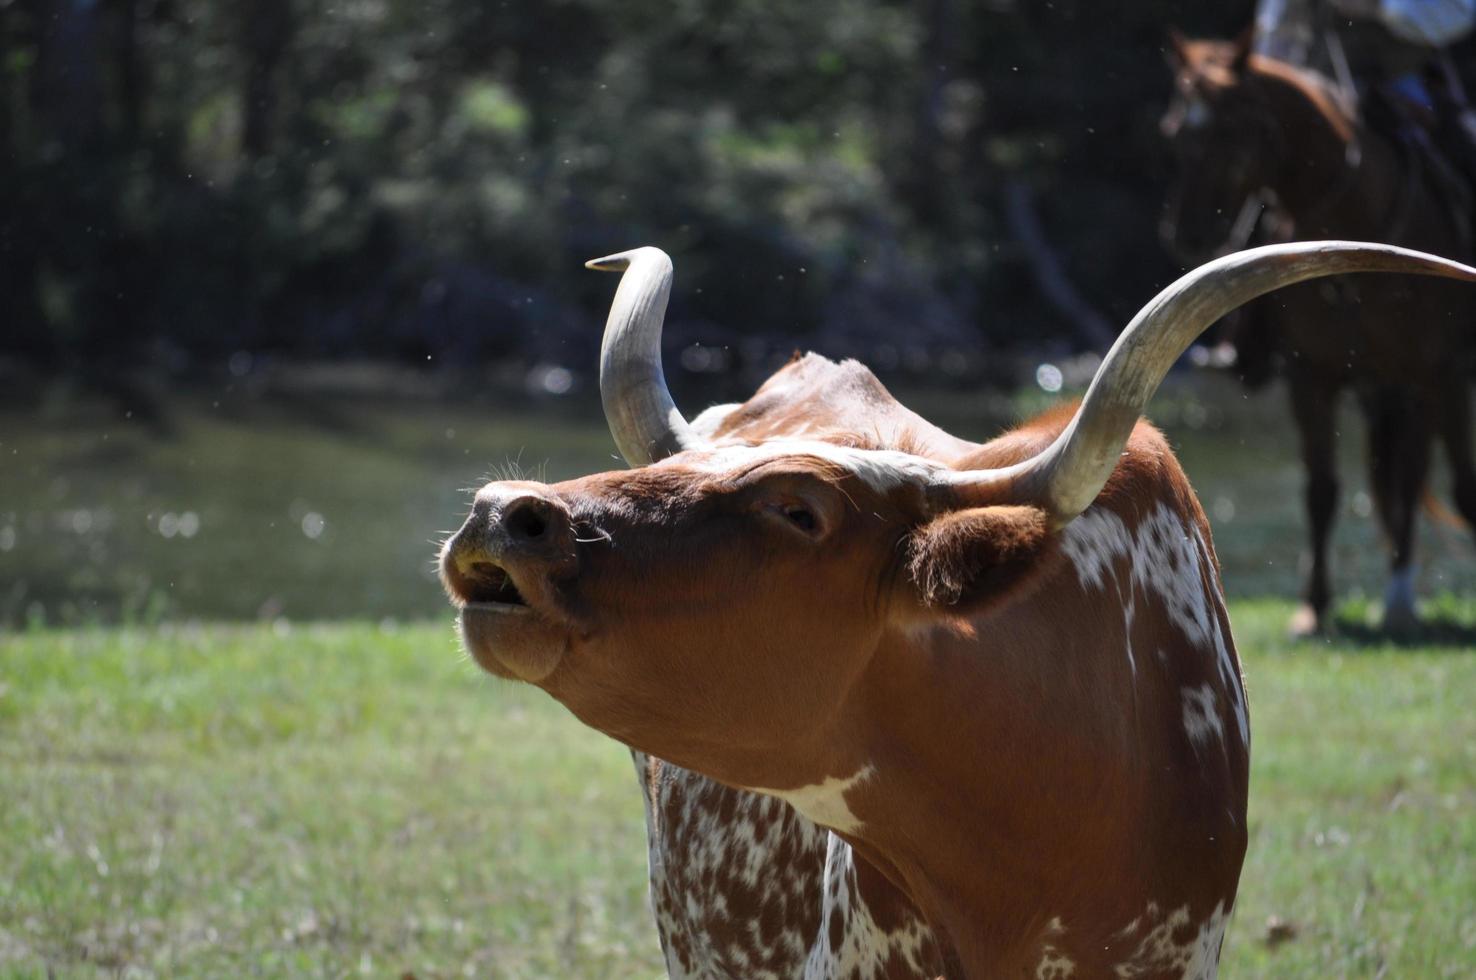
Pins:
x,y
505,633
490,587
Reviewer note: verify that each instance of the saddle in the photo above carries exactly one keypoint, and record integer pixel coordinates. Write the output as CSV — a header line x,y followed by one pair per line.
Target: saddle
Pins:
x,y
1437,130
1413,96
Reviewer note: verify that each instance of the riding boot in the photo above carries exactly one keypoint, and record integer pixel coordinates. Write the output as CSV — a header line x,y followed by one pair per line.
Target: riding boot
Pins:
x,y
1455,133
1420,116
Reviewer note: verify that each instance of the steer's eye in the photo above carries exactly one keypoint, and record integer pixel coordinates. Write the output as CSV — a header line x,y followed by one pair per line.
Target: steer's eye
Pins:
x,y
797,506
801,518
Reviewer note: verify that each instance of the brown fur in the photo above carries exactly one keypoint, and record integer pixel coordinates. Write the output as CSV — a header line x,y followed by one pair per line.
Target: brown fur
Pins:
x,y
1033,788
967,558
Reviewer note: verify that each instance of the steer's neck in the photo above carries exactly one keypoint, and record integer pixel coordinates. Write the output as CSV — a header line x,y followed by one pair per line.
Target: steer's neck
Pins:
x,y
944,724
1001,801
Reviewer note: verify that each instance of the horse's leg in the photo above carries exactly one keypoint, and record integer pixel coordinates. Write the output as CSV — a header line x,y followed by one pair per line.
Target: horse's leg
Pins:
x,y
1398,463
1314,406
1452,414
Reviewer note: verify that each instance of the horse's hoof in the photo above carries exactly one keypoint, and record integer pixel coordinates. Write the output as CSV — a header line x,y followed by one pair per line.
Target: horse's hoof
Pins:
x,y
1400,617
1305,622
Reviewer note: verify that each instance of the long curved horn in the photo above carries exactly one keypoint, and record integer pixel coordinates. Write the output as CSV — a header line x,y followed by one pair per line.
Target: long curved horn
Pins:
x,y
1067,476
645,422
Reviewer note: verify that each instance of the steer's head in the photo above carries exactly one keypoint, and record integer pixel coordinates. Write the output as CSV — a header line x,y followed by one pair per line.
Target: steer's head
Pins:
x,y
719,601
722,600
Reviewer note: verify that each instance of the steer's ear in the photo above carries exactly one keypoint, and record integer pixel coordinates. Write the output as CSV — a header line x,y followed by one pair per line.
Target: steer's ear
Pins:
x,y
965,559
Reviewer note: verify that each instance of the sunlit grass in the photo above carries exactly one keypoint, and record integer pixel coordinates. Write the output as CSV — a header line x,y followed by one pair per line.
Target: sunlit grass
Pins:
x,y
1363,806
323,801
224,802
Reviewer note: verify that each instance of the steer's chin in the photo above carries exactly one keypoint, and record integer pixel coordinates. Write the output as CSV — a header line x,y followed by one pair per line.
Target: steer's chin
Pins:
x,y
512,642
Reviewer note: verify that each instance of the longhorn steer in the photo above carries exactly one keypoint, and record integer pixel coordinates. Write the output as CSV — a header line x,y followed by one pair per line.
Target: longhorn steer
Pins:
x,y
1003,674
743,885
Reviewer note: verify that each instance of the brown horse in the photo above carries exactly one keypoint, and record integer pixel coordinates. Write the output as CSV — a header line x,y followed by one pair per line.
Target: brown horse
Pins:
x,y
1247,128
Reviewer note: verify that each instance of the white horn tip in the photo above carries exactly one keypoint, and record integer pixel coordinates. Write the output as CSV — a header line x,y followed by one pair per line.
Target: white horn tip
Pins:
x,y
618,262
621,261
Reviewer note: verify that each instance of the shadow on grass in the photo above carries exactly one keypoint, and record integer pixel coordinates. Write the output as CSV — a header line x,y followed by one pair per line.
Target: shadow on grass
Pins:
x,y
1443,631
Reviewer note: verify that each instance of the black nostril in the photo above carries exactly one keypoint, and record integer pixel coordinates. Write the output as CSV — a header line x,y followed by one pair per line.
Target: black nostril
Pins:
x,y
525,520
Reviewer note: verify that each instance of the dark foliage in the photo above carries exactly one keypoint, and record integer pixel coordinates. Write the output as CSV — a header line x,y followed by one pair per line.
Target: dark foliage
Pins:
x,y
182,179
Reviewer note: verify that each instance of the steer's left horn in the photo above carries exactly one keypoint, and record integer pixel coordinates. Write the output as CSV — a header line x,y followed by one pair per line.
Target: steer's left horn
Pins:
x,y
645,422
1067,476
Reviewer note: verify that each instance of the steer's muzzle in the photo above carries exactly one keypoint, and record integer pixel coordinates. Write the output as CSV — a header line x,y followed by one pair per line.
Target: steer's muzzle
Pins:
x,y
517,536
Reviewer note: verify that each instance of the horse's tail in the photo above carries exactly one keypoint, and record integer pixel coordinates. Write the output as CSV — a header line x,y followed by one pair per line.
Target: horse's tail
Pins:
x,y
1436,510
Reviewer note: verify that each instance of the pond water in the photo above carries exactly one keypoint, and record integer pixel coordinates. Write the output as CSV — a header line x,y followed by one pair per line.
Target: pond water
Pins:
x,y
304,501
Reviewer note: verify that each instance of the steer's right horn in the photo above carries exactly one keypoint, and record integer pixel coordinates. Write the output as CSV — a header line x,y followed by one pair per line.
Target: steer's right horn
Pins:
x,y
1067,476
645,422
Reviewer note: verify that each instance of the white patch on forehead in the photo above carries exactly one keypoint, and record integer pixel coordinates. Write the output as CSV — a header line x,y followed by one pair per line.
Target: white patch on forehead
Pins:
x,y
880,469
711,418
1159,954
825,802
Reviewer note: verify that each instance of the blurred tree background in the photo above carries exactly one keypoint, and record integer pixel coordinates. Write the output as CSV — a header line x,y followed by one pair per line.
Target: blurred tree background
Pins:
x,y
181,180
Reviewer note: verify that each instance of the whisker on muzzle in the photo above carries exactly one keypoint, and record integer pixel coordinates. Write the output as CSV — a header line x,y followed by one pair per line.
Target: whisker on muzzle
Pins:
x,y
599,535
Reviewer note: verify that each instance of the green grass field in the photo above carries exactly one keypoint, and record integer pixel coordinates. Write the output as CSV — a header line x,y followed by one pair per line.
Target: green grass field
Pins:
x,y
352,800
285,800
